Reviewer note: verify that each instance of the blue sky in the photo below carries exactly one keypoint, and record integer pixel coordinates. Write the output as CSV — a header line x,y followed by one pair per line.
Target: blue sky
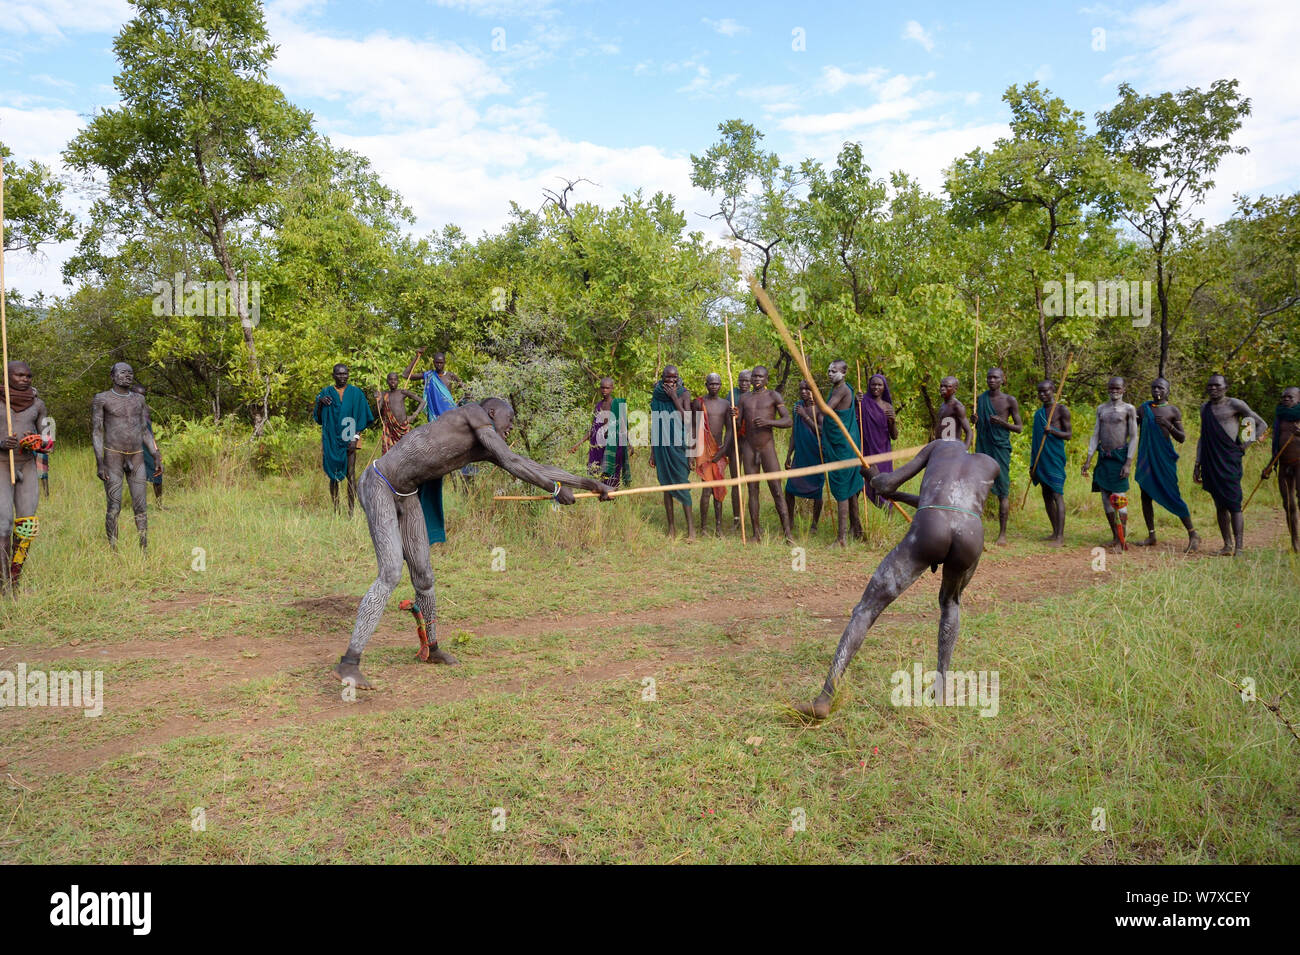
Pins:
x,y
465,105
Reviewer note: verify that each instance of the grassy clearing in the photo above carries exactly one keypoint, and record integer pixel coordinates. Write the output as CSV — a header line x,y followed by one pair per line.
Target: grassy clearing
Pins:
x,y
1110,698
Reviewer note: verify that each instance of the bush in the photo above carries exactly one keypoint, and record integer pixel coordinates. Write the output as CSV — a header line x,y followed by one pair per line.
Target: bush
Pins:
x,y
203,453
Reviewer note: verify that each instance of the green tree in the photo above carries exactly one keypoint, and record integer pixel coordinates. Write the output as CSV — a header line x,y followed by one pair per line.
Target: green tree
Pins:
x,y
34,213
1177,141
1056,186
197,139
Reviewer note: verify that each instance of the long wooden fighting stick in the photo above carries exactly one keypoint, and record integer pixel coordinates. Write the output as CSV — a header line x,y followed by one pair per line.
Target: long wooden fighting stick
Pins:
x,y
732,482
771,311
857,402
1276,458
1050,415
975,362
4,326
817,431
735,418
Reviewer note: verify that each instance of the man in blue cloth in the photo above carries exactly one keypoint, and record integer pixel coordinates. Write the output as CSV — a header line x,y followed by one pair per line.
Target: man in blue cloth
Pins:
x,y
1049,471
670,420
997,417
437,401
1227,426
1160,424
1114,443
342,412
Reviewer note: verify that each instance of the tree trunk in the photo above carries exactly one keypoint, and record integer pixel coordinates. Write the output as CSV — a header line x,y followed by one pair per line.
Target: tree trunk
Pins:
x,y
1163,292
245,322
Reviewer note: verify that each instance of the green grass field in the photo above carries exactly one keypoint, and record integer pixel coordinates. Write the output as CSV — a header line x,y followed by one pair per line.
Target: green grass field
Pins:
x,y
544,746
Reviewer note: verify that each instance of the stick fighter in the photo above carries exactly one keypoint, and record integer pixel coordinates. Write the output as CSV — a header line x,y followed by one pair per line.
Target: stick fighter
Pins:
x,y
119,432
947,530
387,490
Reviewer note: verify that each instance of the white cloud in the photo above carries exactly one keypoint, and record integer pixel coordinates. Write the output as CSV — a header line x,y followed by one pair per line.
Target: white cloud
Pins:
x,y
40,134
914,31
393,78
500,8
704,84
726,26
1195,42
54,18
835,79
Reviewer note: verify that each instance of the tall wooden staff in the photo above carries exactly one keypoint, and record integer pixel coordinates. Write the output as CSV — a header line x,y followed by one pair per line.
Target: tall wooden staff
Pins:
x,y
975,363
817,431
1276,457
735,421
778,322
4,326
862,433
1050,415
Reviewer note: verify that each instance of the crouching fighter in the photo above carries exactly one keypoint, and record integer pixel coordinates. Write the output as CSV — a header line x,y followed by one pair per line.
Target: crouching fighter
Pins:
x,y
399,525
946,530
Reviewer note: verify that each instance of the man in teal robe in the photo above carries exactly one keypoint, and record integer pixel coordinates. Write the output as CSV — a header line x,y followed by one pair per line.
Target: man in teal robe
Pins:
x,y
997,417
670,418
846,484
342,412
1047,456
1160,424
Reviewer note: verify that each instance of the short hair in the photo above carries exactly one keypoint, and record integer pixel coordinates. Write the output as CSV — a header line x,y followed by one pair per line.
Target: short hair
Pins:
x,y
1046,382
1158,381
605,379
946,380
488,404
338,366
711,375
757,367
746,372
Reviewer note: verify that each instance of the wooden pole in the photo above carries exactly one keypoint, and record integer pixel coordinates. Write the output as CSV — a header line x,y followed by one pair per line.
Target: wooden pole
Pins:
x,y
732,482
1269,468
1050,415
735,420
861,433
975,364
4,328
778,322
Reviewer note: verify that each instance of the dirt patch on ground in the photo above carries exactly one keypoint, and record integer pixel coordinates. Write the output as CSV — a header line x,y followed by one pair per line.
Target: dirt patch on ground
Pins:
x,y
202,696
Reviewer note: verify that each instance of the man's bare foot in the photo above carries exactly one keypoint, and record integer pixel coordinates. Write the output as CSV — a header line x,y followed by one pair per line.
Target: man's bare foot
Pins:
x,y
818,709
441,656
812,528
1193,543
1001,541
1115,547
1240,548
1056,541
1224,551
1149,542
350,672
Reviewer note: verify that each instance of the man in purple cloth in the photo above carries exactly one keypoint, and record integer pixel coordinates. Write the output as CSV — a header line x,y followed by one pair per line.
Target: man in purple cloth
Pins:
x,y
607,458
879,428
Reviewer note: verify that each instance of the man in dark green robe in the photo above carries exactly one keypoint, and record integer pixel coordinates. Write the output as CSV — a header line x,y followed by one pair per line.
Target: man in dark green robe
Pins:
x,y
342,412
